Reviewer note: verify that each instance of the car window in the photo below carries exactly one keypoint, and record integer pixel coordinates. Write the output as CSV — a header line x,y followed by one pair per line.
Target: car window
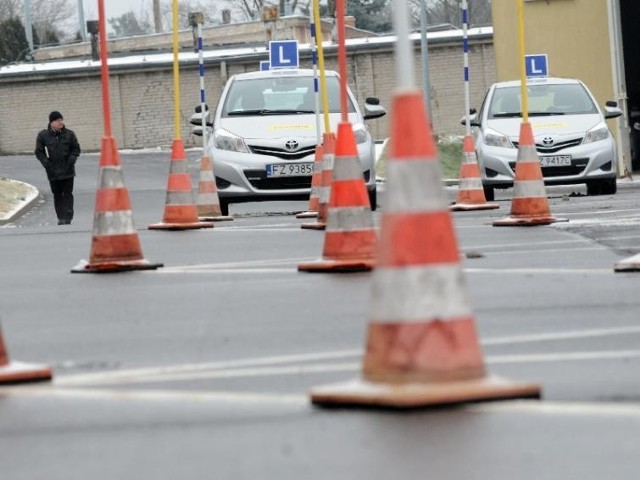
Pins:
x,y
544,99
279,94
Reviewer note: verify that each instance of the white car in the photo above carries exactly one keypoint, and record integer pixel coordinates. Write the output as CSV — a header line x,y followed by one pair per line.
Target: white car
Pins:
x,y
573,141
263,135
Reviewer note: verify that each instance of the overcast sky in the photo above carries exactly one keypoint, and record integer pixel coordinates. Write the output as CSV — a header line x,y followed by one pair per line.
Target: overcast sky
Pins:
x,y
113,8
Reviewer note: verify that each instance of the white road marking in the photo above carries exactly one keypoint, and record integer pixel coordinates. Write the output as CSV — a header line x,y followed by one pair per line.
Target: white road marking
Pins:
x,y
607,409
556,271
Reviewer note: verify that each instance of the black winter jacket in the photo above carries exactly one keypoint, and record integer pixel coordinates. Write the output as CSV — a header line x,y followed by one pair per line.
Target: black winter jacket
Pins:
x,y
58,152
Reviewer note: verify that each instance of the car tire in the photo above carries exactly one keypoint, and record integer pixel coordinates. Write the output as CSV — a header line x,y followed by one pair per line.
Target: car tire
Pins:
x,y
602,187
373,199
489,193
224,207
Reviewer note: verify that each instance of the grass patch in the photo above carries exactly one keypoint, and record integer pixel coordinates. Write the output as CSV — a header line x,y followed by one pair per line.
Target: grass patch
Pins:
x,y
449,154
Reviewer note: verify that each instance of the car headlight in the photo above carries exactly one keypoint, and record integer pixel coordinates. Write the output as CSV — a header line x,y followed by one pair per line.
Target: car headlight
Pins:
x,y
224,140
495,139
360,132
596,134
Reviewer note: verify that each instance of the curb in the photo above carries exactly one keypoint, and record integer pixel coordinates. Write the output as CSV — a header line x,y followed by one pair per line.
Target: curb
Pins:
x,y
21,207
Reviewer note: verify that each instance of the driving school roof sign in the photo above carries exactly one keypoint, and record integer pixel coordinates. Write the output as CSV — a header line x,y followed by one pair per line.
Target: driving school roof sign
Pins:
x,y
283,54
536,65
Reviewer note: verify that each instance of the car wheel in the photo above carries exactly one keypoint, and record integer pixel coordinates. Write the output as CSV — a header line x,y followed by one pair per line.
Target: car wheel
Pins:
x,y
602,187
224,207
373,199
489,193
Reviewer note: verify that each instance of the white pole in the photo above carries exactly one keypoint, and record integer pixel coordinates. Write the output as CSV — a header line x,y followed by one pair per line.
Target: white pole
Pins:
x,y
404,62
202,90
467,101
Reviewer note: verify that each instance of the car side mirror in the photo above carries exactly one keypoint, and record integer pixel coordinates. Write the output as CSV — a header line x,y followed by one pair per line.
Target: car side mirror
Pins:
x,y
196,118
611,110
373,109
473,118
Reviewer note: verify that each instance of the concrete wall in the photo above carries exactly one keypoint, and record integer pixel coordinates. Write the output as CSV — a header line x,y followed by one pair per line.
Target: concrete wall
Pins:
x,y
142,97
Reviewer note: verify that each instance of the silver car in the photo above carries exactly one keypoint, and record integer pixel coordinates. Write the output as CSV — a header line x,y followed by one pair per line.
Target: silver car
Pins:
x,y
263,135
573,141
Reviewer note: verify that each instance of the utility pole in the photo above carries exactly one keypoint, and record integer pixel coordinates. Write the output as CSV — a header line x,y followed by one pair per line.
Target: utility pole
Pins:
x,y
81,25
157,17
28,28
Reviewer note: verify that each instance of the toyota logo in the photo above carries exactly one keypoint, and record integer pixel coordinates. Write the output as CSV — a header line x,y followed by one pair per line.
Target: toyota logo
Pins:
x,y
291,145
547,141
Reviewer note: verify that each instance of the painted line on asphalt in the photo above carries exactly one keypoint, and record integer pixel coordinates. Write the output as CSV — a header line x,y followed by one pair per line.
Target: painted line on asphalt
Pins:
x,y
607,409
556,271
340,367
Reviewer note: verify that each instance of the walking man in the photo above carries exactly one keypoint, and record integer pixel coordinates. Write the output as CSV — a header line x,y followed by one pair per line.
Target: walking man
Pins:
x,y
57,149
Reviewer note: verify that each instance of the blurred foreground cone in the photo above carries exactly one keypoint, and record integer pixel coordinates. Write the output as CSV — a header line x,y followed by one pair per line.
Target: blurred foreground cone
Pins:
x,y
180,212
350,237
115,246
529,205
316,184
470,193
208,202
18,372
422,348
630,264
328,158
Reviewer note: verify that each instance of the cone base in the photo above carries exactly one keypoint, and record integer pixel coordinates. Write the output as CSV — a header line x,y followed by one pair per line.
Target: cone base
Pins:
x,y
360,393
180,226
466,207
308,214
338,266
18,372
215,218
314,226
526,221
114,267
631,264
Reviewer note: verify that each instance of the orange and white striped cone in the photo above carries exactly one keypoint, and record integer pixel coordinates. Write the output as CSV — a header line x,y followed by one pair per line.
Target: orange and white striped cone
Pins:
x,y
470,192
208,202
115,246
19,372
316,183
350,237
422,347
328,159
529,204
180,212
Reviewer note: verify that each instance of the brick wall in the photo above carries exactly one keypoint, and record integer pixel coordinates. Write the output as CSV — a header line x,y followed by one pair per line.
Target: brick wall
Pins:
x,y
142,98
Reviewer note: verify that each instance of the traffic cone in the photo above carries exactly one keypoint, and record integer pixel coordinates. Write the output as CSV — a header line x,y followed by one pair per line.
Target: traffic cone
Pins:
x,y
316,184
529,205
180,212
115,246
630,264
328,157
422,347
470,192
208,202
18,372
350,237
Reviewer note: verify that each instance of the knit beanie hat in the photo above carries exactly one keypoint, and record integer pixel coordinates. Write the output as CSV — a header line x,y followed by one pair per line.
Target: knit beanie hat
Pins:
x,y
55,115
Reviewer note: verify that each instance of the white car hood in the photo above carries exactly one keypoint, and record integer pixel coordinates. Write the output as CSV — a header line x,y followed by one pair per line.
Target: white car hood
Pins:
x,y
561,125
278,126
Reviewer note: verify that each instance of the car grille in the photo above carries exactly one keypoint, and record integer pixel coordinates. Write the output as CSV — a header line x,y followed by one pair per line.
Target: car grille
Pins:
x,y
282,153
577,167
259,180
555,148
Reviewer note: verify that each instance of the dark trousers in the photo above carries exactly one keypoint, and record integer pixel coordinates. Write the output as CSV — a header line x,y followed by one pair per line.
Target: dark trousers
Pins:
x,y
63,198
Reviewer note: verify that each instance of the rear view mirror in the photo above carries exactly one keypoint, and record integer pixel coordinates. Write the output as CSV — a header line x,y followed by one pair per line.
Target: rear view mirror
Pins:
x,y
373,109
611,110
196,118
473,118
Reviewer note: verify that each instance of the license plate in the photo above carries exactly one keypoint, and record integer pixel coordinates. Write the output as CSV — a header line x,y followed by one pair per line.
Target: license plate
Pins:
x,y
290,169
555,161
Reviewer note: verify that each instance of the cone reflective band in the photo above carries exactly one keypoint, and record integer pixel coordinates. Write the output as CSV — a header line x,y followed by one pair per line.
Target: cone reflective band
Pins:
x,y
630,264
208,203
115,245
350,237
529,205
12,372
422,347
180,212
470,190
324,192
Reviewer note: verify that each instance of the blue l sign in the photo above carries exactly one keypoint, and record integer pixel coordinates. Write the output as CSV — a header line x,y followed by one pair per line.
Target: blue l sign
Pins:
x,y
264,65
283,54
536,65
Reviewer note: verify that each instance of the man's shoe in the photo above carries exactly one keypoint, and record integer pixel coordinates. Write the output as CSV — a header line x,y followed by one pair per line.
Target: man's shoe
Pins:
x,y
64,222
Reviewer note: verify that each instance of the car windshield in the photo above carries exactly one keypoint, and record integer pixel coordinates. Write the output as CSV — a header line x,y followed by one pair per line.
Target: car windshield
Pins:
x,y
279,96
544,100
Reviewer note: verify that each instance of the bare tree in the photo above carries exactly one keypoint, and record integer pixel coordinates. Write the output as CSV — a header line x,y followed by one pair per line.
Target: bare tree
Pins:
x,y
50,18
449,11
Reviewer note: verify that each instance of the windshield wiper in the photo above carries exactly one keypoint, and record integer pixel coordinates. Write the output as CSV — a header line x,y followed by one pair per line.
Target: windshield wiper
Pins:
x,y
265,111
544,114
507,115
